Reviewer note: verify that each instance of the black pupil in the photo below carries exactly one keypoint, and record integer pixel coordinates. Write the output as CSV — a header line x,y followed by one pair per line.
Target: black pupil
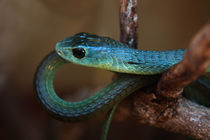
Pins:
x,y
79,52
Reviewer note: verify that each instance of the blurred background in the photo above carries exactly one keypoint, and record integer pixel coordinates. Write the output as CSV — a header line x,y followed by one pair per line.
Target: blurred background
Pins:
x,y
29,31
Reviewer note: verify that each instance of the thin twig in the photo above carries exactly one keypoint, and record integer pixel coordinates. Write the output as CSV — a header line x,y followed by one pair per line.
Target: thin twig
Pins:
x,y
128,22
128,35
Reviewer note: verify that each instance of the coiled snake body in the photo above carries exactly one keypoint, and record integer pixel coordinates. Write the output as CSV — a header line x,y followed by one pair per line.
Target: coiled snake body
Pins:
x,y
100,52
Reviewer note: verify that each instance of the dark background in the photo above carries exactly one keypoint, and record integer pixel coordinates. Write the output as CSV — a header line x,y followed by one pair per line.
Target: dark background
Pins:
x,y
29,30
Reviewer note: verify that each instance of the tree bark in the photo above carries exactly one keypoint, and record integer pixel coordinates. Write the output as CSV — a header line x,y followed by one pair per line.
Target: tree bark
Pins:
x,y
128,22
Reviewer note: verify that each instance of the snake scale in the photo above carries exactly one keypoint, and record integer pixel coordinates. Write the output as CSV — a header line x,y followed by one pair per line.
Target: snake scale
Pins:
x,y
138,67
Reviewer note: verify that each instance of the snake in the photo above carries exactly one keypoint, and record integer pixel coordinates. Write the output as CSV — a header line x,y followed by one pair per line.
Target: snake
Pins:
x,y
135,69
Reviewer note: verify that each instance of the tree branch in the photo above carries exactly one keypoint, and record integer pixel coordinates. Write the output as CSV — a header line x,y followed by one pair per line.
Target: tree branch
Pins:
x,y
166,108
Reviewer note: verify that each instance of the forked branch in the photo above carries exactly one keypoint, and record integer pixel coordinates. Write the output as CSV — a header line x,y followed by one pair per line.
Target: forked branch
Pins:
x,y
168,109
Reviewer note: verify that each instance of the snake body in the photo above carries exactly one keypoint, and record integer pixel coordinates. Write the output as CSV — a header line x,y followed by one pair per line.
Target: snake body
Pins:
x,y
100,52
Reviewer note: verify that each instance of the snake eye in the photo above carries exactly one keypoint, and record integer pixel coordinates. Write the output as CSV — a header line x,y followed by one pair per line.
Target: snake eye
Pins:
x,y
78,52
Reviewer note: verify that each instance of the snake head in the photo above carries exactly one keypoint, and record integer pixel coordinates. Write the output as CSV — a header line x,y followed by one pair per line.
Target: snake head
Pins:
x,y
94,51
82,48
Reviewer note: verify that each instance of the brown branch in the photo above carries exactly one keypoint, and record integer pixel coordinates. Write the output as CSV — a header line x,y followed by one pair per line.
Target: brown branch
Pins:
x,y
178,116
128,22
173,113
194,63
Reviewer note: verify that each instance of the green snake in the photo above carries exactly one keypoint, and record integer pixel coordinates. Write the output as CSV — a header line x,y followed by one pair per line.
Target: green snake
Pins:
x,y
135,69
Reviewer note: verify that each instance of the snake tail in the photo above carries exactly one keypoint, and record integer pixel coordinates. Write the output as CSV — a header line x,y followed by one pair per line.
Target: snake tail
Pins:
x,y
100,102
107,123
199,91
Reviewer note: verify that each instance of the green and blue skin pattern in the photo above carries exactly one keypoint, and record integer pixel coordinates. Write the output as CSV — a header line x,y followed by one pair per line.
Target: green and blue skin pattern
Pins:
x,y
135,69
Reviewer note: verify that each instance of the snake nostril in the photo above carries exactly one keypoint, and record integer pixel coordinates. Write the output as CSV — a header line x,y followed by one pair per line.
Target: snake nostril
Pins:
x,y
60,52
